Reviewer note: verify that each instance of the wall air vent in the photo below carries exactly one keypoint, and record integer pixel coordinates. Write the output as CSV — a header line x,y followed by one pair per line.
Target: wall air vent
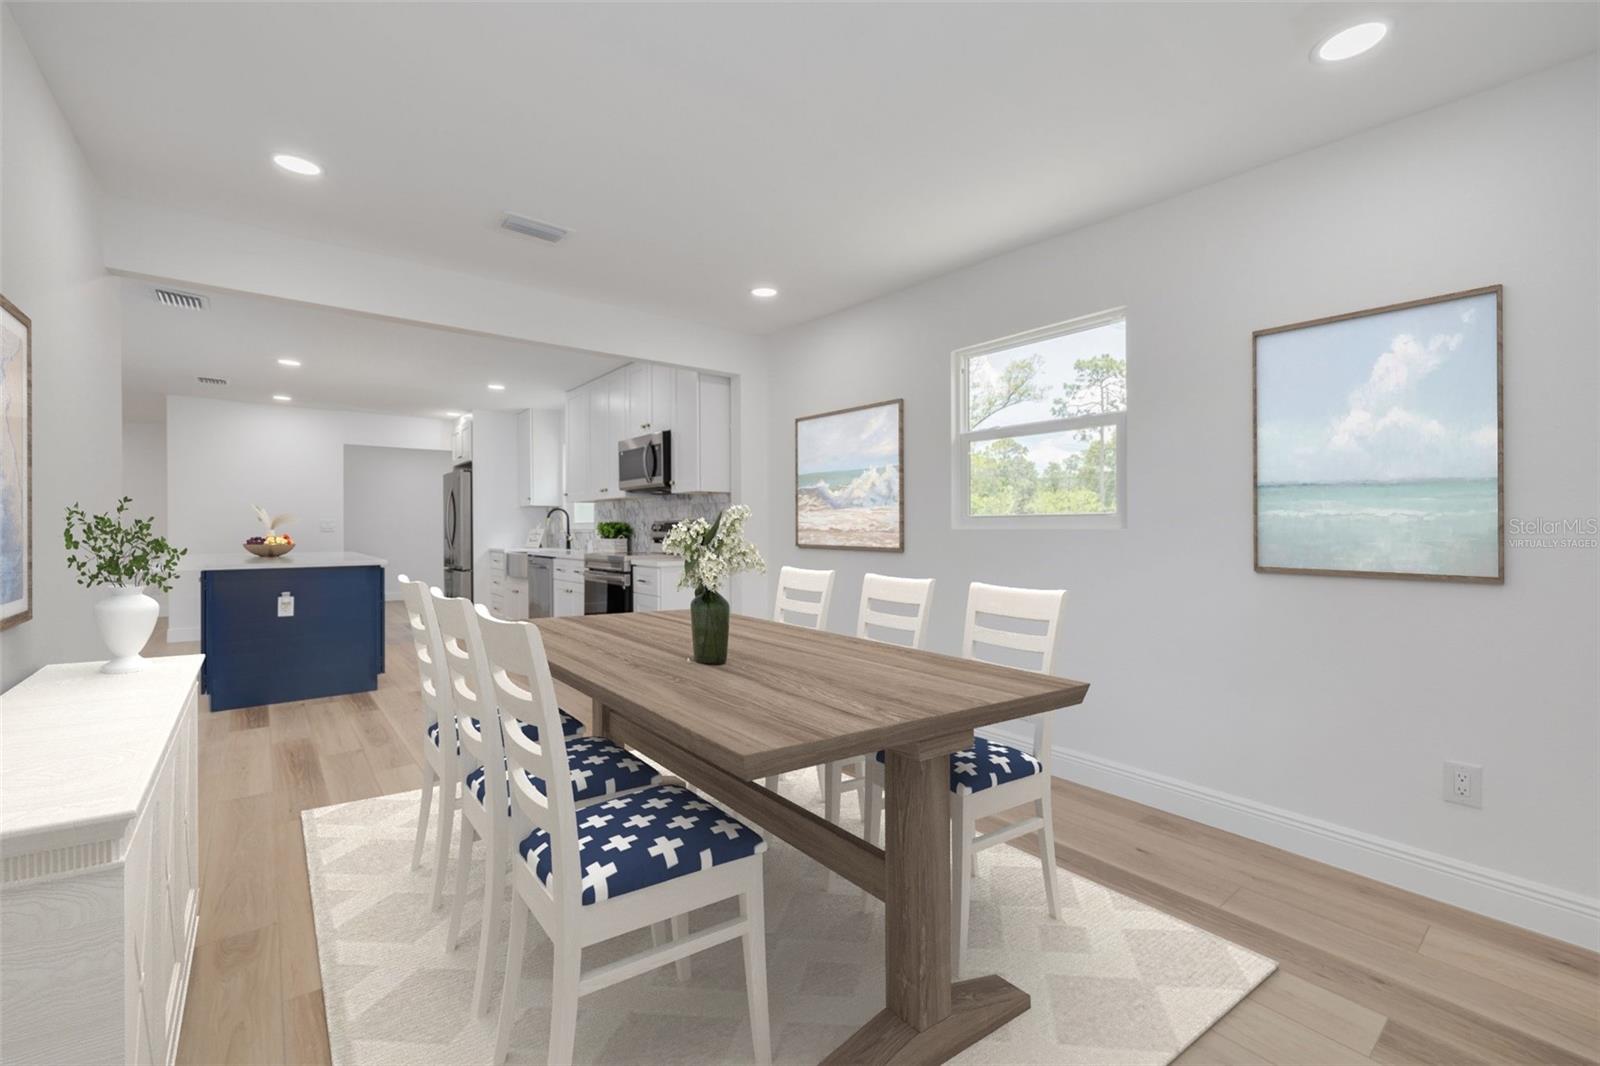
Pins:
x,y
202,379
532,227
186,301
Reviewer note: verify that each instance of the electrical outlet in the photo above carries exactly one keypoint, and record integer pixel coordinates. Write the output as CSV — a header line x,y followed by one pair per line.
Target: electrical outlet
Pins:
x,y
1463,784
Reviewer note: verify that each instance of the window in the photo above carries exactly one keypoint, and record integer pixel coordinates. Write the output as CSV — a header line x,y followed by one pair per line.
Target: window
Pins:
x,y
1041,427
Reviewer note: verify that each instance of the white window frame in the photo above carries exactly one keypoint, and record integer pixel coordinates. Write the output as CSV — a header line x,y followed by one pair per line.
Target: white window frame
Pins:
x,y
961,441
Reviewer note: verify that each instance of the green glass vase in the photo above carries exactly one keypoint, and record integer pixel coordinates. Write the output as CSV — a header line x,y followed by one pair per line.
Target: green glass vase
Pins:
x,y
708,618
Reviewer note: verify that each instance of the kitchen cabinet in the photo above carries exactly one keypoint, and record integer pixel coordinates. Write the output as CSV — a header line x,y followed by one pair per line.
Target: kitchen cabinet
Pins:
x,y
461,440
575,462
508,585
652,398
655,586
646,398
568,582
539,458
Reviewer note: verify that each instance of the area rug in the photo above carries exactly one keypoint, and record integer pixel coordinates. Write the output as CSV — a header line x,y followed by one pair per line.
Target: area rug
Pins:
x,y
1113,982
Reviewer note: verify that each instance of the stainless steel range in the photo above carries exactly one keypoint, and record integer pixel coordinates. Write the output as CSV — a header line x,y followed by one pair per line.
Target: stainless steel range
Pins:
x,y
607,584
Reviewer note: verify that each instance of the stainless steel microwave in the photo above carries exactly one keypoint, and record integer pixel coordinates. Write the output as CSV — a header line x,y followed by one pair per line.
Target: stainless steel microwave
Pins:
x,y
644,464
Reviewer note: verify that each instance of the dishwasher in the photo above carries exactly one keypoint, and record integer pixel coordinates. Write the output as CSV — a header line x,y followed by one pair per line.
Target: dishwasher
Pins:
x,y
541,587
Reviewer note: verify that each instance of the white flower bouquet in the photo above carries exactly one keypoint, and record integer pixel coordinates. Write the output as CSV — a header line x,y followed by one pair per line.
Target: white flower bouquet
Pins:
x,y
712,552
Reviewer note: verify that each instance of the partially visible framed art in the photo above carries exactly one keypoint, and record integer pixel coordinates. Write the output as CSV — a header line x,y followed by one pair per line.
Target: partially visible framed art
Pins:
x,y
848,468
16,465
1379,442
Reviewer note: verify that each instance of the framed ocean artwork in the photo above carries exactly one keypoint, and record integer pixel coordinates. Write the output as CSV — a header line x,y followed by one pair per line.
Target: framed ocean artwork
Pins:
x,y
848,469
1379,442
16,465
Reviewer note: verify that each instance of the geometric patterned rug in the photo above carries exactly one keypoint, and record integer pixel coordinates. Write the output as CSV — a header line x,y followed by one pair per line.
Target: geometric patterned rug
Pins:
x,y
1115,982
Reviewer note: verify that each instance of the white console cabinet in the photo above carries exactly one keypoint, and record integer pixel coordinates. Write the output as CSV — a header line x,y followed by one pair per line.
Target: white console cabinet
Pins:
x,y
99,875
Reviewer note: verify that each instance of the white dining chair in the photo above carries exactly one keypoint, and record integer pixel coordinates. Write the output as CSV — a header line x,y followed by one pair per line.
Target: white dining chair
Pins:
x,y
605,770
589,874
894,610
793,605
1003,625
440,758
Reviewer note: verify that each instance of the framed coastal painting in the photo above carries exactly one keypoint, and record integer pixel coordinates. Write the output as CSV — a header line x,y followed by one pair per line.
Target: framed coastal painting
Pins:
x,y
16,465
848,467
1378,442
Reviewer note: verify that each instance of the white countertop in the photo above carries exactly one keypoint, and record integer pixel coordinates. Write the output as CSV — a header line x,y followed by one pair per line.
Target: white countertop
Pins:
x,y
656,559
243,560
550,553
81,747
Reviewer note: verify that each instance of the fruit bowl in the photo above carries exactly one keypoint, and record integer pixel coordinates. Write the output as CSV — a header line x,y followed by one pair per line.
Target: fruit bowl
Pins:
x,y
270,551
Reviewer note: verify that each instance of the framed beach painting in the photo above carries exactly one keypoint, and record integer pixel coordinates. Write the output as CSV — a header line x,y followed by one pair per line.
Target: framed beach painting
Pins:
x,y
16,465
1378,442
848,467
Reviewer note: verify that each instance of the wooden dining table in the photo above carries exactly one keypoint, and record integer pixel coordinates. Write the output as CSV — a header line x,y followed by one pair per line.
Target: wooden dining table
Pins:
x,y
790,697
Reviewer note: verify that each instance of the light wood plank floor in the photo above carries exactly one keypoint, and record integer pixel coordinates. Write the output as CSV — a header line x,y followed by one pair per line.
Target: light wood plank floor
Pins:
x,y
1367,973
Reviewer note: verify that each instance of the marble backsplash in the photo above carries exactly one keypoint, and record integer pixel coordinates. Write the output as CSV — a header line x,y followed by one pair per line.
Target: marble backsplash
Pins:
x,y
641,509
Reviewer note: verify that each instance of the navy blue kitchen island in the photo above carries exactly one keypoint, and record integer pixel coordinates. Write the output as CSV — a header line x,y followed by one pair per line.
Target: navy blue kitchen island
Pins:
x,y
298,627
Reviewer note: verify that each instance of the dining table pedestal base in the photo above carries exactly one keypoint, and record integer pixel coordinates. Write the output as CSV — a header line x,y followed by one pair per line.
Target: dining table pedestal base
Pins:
x,y
977,1008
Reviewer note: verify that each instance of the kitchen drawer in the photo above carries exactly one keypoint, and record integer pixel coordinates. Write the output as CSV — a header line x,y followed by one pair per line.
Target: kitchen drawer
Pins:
x,y
645,601
514,589
569,598
646,579
497,563
569,570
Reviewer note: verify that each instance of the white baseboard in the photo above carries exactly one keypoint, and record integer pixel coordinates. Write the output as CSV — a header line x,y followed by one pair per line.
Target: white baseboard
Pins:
x,y
182,634
1542,908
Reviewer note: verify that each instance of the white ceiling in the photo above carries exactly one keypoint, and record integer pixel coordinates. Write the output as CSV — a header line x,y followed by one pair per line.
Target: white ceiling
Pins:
x,y
348,361
835,151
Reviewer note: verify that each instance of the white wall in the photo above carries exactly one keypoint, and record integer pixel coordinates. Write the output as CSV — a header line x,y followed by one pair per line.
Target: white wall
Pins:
x,y
144,477
394,509
1312,712
498,518
51,268
223,458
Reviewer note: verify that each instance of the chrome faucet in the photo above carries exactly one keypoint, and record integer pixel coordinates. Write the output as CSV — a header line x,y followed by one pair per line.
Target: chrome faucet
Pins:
x,y
566,524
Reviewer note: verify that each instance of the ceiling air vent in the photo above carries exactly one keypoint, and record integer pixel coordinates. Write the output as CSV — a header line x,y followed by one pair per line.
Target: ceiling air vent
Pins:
x,y
186,301
532,227
202,379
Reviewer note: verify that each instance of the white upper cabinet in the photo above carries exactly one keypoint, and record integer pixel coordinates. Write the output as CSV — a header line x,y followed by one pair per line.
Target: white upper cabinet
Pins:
x,y
461,440
539,458
575,470
652,398
646,398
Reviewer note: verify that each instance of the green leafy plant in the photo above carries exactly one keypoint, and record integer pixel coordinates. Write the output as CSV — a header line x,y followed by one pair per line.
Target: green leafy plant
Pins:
x,y
113,549
614,530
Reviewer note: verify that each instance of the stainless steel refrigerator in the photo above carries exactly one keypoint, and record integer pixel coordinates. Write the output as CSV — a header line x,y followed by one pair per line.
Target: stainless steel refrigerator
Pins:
x,y
458,532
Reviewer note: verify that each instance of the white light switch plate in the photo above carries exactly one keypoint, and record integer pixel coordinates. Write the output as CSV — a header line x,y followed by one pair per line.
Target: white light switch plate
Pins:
x,y
285,605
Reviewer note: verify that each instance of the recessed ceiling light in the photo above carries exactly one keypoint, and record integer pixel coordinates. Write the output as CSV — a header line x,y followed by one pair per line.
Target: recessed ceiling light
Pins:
x,y
496,386
452,414
1349,43
764,292
288,362
295,164
281,398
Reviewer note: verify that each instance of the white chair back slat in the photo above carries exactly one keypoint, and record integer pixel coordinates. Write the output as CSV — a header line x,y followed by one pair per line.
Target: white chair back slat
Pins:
x,y
424,630
471,689
903,591
814,613
520,674
1040,608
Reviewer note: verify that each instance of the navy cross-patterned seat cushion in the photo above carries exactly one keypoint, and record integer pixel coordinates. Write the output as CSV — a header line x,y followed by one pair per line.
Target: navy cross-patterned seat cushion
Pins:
x,y
646,838
987,764
597,766
570,727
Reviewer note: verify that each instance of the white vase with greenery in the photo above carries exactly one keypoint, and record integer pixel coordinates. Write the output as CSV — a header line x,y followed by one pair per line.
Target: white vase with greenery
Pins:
x,y
123,553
